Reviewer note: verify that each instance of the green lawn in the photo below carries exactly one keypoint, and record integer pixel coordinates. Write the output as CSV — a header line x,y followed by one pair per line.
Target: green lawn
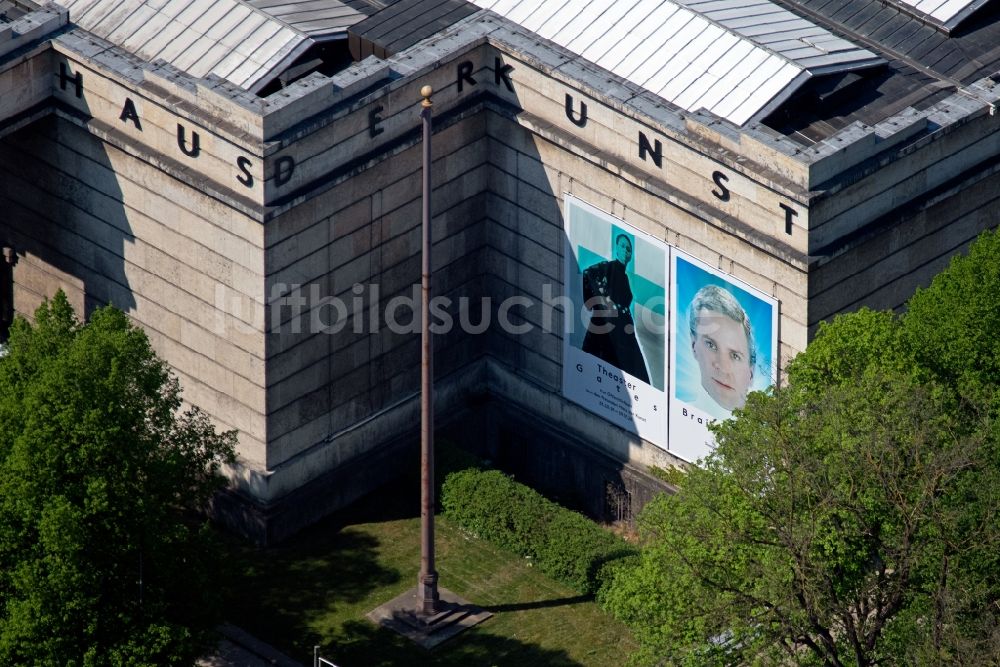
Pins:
x,y
317,587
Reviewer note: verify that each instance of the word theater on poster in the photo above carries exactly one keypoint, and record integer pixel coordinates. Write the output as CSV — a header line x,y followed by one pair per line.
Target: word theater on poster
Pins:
x,y
615,338
656,341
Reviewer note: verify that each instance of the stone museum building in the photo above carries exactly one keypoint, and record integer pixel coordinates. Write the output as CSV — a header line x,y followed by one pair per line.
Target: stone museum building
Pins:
x,y
243,178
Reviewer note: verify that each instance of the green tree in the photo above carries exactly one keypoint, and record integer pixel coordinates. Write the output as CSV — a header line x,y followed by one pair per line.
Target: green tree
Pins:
x,y
838,522
104,559
954,325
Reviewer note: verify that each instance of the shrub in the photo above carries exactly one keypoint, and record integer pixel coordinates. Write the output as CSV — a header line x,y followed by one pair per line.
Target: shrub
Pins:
x,y
575,549
565,545
494,507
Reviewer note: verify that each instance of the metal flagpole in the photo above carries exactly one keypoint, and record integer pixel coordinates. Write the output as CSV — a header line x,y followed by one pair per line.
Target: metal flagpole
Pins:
x,y
427,581
424,616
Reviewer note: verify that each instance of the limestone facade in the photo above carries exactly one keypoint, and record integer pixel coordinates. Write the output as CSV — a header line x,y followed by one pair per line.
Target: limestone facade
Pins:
x,y
226,224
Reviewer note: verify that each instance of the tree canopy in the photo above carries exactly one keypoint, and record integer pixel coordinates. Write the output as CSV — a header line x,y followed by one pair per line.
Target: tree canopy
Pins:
x,y
954,325
849,517
103,557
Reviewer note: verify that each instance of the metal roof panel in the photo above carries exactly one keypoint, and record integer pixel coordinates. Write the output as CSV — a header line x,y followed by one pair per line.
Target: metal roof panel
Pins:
x,y
759,66
638,22
150,29
678,41
97,12
728,72
504,5
770,87
692,63
616,35
172,9
555,22
189,33
945,13
651,44
613,11
680,61
524,9
579,20
543,13
681,49
131,24
706,76
77,7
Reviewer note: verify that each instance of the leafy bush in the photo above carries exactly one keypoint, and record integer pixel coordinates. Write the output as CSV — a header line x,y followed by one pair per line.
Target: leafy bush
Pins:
x,y
496,508
565,545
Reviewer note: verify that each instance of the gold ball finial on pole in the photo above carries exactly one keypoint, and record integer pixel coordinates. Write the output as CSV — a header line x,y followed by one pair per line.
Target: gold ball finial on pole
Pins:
x,y
426,92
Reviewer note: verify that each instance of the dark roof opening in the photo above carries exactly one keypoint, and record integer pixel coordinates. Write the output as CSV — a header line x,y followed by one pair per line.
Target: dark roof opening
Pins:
x,y
822,105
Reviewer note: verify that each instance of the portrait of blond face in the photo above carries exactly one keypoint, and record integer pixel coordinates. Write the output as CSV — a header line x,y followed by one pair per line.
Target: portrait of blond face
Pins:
x,y
722,351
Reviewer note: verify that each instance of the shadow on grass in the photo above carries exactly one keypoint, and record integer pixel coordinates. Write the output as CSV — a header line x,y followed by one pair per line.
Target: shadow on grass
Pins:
x,y
362,644
315,588
277,592
539,604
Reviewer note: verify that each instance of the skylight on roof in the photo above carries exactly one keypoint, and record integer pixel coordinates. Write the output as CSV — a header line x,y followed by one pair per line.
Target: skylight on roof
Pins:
x,y
946,14
227,38
737,59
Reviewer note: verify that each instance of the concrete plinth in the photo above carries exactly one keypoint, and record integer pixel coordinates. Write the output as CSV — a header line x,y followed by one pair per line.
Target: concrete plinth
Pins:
x,y
454,615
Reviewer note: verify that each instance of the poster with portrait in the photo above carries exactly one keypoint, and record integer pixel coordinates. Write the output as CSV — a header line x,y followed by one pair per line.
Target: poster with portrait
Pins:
x,y
724,343
615,334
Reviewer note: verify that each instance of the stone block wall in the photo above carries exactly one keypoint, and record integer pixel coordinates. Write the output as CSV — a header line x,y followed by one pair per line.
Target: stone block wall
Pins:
x,y
888,227
105,226
359,243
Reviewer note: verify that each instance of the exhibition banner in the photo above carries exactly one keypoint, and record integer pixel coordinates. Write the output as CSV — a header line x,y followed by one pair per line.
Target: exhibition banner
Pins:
x,y
724,344
615,338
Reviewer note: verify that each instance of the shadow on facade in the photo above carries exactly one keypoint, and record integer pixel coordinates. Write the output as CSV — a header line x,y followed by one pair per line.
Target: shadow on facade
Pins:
x,y
529,245
63,215
7,262
511,229
499,236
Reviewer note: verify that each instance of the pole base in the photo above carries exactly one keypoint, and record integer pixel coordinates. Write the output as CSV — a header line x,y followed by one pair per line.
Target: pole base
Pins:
x,y
428,598
404,615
